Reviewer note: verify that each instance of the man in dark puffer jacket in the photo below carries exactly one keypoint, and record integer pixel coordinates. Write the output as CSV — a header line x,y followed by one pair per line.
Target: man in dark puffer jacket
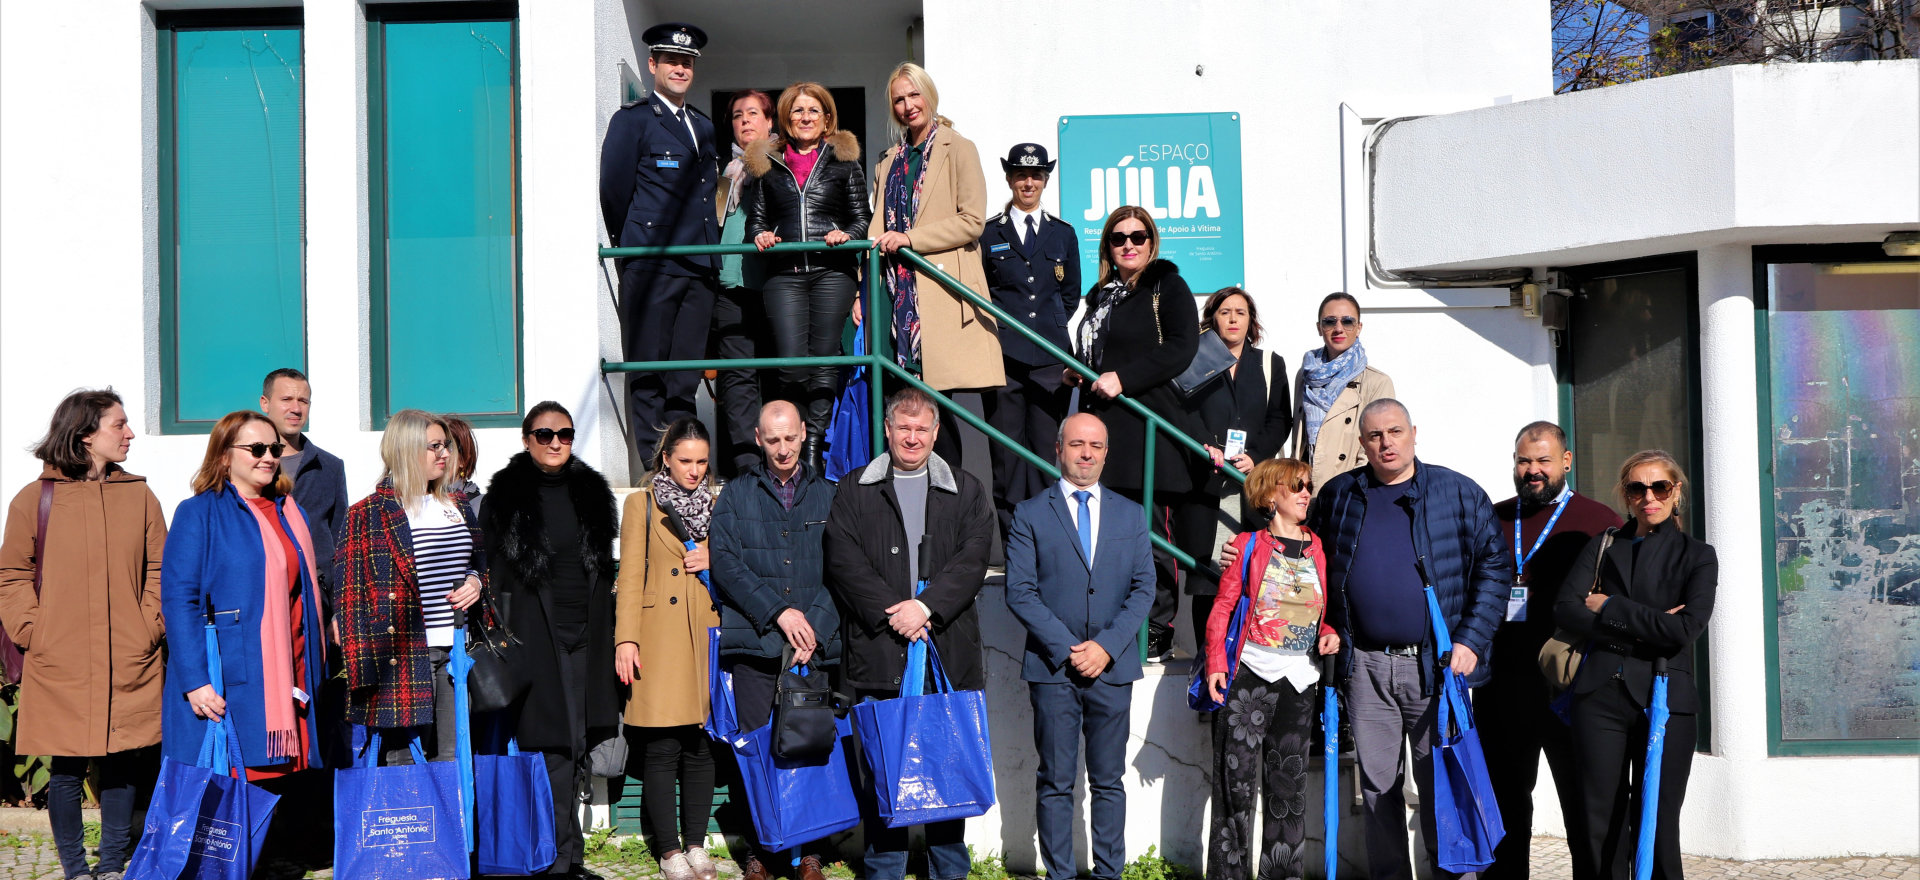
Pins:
x,y
1391,528
767,560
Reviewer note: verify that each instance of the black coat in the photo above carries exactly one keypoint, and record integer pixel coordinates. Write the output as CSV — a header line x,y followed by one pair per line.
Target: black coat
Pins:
x,y
1038,283
767,559
835,197
1633,627
1147,352
657,185
1240,399
869,568
518,558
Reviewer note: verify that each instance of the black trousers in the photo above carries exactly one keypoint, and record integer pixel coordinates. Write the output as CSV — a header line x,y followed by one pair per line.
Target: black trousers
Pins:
x,y
1515,728
1610,745
1028,409
662,317
754,681
805,312
676,771
739,331
1166,571
566,770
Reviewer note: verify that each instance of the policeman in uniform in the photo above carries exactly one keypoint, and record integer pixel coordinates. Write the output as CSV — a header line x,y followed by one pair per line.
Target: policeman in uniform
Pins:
x,y
1033,272
658,171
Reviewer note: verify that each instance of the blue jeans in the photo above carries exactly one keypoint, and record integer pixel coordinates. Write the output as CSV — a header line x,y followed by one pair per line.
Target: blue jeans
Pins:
x,y
123,776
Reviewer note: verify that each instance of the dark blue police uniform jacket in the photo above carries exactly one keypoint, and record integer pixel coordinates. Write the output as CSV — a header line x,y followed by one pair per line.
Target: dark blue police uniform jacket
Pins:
x,y
656,188
1038,285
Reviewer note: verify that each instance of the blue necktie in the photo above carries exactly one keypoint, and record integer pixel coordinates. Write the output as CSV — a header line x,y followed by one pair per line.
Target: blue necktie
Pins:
x,y
1086,524
1032,231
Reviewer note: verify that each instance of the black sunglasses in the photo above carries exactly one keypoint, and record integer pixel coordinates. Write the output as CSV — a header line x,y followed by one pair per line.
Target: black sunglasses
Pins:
x,y
544,436
1138,237
1662,489
260,450
1341,320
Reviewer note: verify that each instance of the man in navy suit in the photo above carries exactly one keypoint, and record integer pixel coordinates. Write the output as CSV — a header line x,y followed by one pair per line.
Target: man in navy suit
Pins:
x,y
1080,578
657,178
1032,263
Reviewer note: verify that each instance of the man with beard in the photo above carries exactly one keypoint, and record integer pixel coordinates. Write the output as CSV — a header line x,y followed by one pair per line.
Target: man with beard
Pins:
x,y
1549,524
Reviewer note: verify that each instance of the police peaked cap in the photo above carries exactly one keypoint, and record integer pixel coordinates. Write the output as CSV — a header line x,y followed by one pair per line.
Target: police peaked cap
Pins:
x,y
675,36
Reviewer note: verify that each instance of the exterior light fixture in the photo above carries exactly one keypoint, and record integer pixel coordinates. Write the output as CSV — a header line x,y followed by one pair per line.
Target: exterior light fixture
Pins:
x,y
1902,244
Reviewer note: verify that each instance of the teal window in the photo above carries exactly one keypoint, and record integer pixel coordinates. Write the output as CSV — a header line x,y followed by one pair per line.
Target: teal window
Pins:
x,y
1839,357
231,299
443,173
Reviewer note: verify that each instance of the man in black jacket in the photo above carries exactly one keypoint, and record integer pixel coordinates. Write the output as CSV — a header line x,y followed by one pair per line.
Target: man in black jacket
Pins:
x,y
766,543
880,517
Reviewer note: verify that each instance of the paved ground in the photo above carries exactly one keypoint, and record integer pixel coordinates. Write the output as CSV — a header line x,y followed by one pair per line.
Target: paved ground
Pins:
x,y
30,856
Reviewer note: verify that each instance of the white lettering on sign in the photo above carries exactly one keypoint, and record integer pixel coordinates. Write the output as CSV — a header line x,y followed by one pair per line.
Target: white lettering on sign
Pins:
x,y
1162,198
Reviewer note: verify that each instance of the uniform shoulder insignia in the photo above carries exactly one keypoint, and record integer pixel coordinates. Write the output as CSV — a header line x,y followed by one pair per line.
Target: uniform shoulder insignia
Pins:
x,y
632,104
695,111
999,218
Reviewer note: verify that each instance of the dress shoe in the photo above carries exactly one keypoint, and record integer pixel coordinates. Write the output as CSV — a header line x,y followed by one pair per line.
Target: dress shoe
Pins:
x,y
810,869
702,864
753,870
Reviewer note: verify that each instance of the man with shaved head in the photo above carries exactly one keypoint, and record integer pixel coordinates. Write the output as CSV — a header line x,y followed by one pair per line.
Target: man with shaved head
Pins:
x,y
1394,527
1080,578
767,570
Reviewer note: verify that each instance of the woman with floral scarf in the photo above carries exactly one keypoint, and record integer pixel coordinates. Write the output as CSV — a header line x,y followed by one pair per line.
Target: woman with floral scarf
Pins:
x,y
662,612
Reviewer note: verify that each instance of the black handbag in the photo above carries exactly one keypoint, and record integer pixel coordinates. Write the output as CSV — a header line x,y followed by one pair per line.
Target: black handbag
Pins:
x,y
1211,360
498,678
803,722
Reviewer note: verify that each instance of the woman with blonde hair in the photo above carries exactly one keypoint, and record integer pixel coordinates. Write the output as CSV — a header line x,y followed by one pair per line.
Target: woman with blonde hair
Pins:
x,y
240,555
929,194
410,557
80,595
662,613
808,186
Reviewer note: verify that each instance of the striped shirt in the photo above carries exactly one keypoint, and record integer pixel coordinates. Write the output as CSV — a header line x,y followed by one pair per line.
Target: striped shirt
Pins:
x,y
442,549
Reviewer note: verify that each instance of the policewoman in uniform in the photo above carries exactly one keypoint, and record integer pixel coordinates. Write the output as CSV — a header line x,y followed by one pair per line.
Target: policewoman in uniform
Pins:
x,y
1033,273
658,170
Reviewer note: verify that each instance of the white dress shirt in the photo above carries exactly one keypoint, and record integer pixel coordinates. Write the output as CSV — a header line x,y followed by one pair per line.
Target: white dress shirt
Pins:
x,y
1019,220
1093,512
685,117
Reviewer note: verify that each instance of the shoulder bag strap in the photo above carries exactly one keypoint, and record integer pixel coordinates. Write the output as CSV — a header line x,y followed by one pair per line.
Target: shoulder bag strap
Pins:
x,y
1606,541
40,534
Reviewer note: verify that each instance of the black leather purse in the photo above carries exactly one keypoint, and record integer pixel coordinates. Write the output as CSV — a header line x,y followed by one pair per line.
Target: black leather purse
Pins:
x,y
1211,359
803,722
498,677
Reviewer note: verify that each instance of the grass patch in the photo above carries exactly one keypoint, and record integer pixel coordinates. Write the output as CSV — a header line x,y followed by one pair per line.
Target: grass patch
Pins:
x,y
987,867
602,849
90,835
838,871
1152,866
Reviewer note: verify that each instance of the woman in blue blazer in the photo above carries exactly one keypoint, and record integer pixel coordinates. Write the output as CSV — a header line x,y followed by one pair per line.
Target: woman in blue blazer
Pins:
x,y
239,555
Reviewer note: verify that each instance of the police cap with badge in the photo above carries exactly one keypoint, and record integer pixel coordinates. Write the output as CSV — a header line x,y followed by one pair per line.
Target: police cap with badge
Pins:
x,y
674,36
1027,157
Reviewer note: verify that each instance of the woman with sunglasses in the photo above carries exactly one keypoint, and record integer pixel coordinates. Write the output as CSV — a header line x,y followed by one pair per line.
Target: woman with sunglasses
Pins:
x,y
549,525
661,652
1334,384
80,595
808,186
397,601
1141,332
240,556
1651,599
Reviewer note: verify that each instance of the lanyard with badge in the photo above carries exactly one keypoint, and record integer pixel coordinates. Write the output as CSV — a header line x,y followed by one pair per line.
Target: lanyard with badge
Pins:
x,y
1517,597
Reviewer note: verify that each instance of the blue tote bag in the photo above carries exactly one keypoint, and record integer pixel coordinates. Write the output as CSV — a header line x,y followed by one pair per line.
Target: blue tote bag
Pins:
x,y
398,823
513,813
1466,818
930,755
792,802
1199,698
202,823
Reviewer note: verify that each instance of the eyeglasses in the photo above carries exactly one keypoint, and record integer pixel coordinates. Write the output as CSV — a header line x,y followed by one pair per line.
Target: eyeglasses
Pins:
x,y
1332,321
260,450
544,436
438,448
1138,237
1662,489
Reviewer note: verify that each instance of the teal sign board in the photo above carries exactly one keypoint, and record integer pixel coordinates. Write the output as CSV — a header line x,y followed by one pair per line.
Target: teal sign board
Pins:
x,y
1184,168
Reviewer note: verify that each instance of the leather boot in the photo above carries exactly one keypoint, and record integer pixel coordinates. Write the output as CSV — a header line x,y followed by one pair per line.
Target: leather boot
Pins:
x,y
813,454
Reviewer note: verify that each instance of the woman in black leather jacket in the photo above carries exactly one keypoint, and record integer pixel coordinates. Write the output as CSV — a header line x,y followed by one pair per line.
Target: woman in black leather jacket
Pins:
x,y
808,186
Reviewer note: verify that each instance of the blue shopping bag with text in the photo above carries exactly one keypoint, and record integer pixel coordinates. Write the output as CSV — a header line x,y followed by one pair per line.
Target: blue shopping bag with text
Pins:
x,y
513,815
400,822
930,755
1466,818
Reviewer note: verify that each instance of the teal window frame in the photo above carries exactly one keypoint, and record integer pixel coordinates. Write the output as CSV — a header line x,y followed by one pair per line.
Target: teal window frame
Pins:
x,y
1763,256
378,178
167,26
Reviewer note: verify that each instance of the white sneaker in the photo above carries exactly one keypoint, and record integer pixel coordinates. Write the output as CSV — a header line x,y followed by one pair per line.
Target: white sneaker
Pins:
x,y
677,867
702,864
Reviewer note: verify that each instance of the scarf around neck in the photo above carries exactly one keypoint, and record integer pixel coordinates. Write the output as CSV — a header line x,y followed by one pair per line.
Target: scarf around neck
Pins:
x,y
1098,323
1325,379
900,207
694,507
276,624
736,172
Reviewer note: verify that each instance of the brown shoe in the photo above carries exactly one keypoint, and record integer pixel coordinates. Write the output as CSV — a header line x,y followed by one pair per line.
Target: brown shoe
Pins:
x,y
753,870
810,869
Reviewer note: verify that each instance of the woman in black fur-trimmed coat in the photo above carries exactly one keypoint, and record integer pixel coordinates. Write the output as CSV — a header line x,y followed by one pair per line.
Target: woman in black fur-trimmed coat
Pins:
x,y
550,524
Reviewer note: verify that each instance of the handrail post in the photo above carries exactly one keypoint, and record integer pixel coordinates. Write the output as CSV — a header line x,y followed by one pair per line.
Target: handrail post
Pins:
x,y
1146,501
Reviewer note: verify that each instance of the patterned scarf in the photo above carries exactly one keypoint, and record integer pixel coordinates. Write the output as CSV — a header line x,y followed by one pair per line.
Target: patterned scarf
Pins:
x,y
694,506
1097,324
1325,379
899,208
736,172
281,602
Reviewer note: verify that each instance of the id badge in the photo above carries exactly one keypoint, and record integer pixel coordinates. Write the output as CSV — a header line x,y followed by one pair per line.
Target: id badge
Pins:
x,y
1517,600
666,163
1236,443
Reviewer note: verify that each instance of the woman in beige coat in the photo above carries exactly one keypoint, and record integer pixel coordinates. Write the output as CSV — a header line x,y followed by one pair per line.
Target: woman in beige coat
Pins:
x,y
1335,382
86,610
661,615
